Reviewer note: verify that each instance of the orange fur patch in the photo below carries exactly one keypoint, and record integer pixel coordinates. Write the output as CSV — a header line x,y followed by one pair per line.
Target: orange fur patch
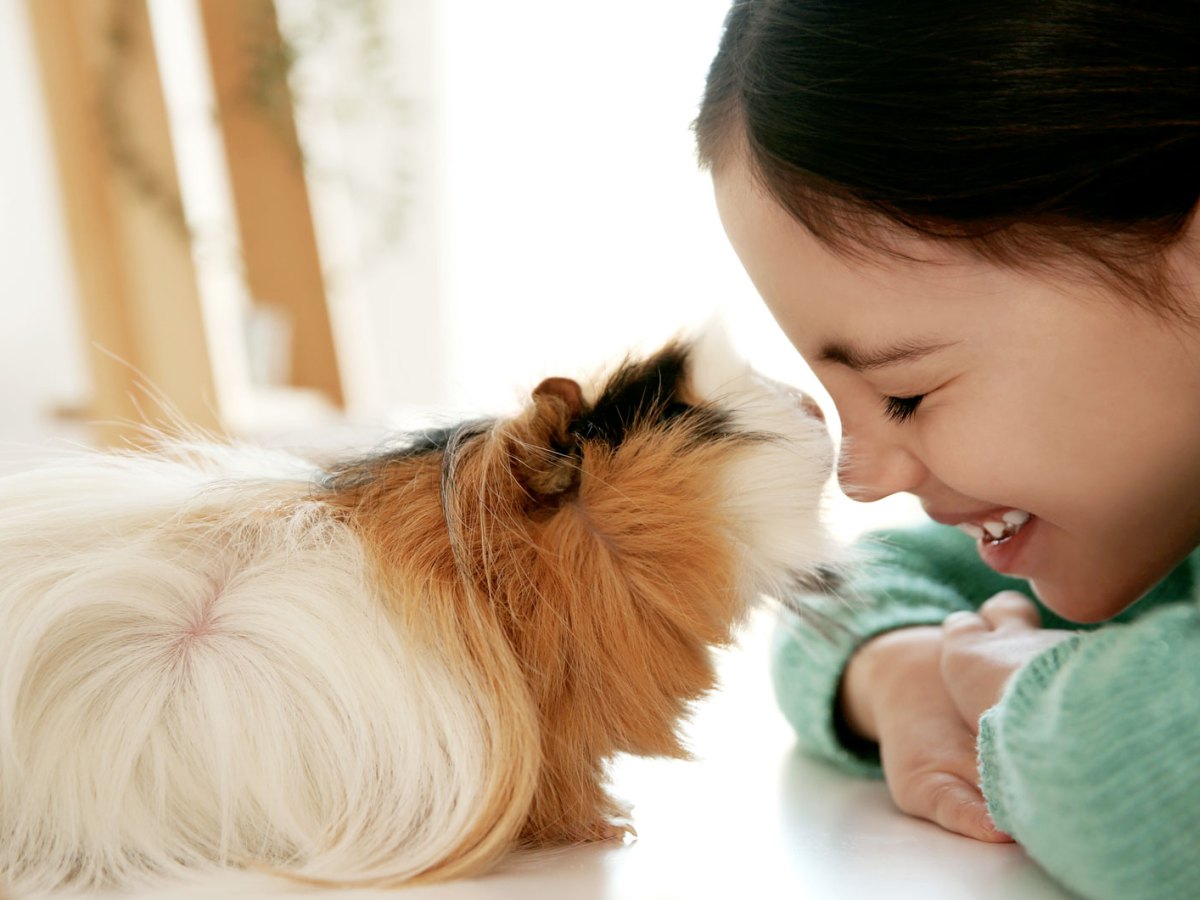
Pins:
x,y
576,591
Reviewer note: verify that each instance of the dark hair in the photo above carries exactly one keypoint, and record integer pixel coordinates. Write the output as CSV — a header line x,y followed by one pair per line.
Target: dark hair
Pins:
x,y
1031,131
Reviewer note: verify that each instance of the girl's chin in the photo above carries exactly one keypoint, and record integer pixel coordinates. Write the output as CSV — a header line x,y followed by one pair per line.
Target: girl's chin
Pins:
x,y
1080,606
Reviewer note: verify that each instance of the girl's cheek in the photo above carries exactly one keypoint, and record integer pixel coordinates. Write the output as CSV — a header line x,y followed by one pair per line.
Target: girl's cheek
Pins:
x,y
970,460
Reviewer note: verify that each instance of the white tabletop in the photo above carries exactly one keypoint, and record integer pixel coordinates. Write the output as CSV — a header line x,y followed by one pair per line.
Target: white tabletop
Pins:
x,y
749,817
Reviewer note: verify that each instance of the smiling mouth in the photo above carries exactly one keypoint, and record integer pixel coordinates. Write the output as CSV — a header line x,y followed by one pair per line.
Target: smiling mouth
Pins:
x,y
996,531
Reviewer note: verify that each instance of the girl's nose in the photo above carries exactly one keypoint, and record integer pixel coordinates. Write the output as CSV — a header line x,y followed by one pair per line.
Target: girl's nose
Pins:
x,y
872,471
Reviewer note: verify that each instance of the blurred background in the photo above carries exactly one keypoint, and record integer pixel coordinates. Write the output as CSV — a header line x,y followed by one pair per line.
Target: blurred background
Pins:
x,y
305,221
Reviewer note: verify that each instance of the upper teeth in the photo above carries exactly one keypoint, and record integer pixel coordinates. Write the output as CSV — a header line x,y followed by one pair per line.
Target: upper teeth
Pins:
x,y
1008,525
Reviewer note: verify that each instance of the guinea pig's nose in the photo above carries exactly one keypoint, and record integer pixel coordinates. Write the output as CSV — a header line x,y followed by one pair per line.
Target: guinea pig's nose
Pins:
x,y
809,405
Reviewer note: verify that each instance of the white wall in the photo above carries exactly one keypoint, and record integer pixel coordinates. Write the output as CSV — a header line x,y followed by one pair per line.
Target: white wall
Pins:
x,y
41,364
576,222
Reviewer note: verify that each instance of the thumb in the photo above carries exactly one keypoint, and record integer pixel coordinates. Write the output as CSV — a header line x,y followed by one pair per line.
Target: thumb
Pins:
x,y
963,623
1010,609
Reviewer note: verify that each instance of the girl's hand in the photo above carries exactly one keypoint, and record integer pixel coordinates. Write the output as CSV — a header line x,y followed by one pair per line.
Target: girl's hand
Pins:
x,y
893,693
982,651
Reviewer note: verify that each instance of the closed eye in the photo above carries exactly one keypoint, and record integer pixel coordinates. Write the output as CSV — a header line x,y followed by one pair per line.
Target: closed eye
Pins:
x,y
901,409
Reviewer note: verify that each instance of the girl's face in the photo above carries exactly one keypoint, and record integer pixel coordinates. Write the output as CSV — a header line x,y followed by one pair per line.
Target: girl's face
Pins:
x,y
990,394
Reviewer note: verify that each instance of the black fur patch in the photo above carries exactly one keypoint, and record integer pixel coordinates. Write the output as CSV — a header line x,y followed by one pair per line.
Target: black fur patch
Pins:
x,y
419,443
645,394
357,472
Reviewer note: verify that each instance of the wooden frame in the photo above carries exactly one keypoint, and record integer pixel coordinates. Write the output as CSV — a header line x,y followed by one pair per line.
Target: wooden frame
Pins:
x,y
142,315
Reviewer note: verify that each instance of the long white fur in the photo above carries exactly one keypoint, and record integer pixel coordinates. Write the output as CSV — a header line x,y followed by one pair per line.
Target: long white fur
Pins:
x,y
774,490
189,678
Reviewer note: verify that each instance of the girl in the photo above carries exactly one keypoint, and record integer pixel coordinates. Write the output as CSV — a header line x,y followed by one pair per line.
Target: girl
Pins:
x,y
975,222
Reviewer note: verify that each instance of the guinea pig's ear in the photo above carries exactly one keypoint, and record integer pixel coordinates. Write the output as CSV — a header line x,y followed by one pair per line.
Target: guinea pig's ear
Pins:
x,y
546,456
564,390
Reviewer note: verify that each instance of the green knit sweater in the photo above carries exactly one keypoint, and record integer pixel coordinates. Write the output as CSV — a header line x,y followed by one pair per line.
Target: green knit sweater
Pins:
x,y
1088,760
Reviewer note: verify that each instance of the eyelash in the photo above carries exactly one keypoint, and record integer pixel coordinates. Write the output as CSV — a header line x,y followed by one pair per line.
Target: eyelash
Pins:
x,y
901,409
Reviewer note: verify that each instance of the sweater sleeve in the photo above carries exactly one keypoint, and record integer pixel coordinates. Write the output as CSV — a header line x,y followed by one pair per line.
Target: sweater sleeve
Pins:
x,y
899,579
1089,759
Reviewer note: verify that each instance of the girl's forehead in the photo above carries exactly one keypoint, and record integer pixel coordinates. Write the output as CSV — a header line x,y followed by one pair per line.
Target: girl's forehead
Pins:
x,y
759,227
822,298
800,276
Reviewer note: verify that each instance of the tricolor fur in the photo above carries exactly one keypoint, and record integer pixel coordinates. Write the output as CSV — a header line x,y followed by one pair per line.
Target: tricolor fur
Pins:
x,y
393,668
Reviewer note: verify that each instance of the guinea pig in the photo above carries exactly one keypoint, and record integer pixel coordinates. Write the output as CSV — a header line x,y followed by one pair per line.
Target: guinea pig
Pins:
x,y
393,668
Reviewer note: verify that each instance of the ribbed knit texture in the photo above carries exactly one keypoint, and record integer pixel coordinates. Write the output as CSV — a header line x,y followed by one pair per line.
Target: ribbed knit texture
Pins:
x,y
1089,759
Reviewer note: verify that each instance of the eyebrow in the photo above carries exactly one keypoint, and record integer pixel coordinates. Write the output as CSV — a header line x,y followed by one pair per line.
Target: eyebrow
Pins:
x,y
861,360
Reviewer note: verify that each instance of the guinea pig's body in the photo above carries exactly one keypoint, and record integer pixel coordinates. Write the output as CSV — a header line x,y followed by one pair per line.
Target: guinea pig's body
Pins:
x,y
397,667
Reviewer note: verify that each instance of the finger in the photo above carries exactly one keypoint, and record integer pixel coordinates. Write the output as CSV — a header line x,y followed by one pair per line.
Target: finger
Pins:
x,y
1011,609
957,806
962,623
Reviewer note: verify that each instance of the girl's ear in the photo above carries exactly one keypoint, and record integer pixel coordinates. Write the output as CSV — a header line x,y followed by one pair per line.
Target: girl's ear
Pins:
x,y
546,457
